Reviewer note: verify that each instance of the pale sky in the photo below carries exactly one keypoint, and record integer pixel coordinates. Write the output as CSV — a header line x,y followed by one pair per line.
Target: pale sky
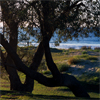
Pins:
x,y
1,24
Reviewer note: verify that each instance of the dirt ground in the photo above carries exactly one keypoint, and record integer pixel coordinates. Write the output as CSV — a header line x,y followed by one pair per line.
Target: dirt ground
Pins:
x,y
85,67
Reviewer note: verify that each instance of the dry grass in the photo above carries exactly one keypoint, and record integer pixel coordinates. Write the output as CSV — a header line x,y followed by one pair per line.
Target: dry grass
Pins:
x,y
73,60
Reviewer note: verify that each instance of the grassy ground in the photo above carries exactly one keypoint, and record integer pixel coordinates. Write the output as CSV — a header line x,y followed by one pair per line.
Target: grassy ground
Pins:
x,y
83,64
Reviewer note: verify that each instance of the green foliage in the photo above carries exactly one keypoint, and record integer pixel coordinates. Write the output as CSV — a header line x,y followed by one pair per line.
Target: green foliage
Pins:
x,y
84,52
71,48
84,48
97,48
55,50
3,73
73,60
26,54
62,67
91,58
42,65
47,72
91,78
66,53
84,55
90,81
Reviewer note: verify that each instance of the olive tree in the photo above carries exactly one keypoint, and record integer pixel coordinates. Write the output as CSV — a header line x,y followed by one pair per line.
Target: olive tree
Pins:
x,y
69,19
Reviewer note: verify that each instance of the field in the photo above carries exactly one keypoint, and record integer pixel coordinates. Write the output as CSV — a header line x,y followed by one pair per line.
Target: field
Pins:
x,y
84,64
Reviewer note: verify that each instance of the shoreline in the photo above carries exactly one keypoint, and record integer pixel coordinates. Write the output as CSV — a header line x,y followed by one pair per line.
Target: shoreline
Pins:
x,y
65,45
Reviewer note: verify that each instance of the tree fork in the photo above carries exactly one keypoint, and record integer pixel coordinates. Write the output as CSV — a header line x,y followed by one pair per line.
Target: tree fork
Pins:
x,y
13,75
50,63
29,83
67,80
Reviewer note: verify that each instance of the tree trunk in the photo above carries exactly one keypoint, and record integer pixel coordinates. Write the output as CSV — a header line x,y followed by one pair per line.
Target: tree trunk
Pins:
x,y
15,83
51,65
62,79
66,80
29,83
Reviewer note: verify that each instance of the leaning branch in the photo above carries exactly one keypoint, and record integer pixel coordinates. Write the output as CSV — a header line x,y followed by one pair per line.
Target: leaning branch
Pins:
x,y
23,68
68,80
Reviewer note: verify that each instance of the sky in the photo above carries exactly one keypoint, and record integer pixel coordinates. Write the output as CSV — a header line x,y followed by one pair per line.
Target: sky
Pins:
x,y
1,24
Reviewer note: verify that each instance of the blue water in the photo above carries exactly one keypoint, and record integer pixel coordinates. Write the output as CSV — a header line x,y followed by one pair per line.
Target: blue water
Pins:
x,y
89,42
76,44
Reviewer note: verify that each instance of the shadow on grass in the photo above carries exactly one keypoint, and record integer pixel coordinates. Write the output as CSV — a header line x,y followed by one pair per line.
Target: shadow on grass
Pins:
x,y
15,95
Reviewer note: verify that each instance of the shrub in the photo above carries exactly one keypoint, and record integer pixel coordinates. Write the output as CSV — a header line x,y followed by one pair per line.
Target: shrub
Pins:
x,y
42,66
89,47
47,72
97,48
91,58
84,48
84,56
84,52
62,67
73,60
66,53
71,48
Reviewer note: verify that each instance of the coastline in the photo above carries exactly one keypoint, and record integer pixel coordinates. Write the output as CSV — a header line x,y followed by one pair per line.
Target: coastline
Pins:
x,y
65,45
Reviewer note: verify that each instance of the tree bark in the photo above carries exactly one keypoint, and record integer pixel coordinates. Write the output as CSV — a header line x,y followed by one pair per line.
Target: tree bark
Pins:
x,y
67,80
50,63
15,83
29,82
62,79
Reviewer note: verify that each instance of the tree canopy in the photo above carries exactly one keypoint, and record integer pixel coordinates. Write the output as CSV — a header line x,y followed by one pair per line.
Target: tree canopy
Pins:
x,y
68,18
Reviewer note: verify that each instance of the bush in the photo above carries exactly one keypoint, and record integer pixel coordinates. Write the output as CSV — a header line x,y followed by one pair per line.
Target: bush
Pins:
x,y
62,67
91,58
84,52
47,72
84,56
42,65
73,60
66,53
84,48
97,48
89,47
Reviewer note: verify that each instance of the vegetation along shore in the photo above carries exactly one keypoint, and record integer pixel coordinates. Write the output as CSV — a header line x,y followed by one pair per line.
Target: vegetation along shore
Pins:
x,y
82,63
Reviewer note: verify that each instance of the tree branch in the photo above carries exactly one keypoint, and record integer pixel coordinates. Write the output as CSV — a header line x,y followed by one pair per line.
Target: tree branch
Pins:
x,y
68,9
23,68
68,80
74,4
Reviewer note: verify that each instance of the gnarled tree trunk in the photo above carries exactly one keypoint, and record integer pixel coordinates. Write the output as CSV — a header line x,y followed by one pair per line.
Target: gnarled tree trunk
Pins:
x,y
65,79
62,79
29,82
15,83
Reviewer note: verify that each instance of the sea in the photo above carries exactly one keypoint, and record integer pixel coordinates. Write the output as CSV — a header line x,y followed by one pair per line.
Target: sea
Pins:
x,y
92,42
